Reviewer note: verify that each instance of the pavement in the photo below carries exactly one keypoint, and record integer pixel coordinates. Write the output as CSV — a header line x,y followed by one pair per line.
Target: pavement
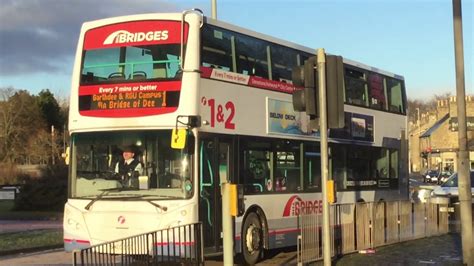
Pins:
x,y
438,250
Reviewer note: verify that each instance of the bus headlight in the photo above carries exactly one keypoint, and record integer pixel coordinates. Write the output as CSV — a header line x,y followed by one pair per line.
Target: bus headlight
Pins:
x,y
74,224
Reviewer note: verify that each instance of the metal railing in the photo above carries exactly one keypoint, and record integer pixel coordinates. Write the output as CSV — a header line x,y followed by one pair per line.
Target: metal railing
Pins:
x,y
181,245
362,226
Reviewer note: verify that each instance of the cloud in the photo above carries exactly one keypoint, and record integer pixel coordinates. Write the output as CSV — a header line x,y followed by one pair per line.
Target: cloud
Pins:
x,y
38,36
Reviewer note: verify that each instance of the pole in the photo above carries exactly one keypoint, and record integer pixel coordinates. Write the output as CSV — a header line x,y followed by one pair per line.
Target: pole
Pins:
x,y
52,145
464,181
214,9
227,226
323,131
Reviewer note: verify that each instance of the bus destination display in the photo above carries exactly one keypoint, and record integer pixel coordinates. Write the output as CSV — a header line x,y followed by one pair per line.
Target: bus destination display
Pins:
x,y
130,99
96,100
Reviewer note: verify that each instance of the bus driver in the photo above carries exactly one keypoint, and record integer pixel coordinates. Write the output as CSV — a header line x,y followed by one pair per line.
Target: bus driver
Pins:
x,y
128,167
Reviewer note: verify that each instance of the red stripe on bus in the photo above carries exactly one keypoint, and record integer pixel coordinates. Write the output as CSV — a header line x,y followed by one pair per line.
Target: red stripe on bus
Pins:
x,y
206,72
273,85
129,112
276,232
67,240
174,243
285,231
256,82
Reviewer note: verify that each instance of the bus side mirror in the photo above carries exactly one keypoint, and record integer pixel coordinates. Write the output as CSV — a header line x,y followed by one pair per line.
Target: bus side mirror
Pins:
x,y
178,138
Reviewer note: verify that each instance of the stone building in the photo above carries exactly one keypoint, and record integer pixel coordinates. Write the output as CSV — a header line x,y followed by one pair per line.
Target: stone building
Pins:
x,y
433,138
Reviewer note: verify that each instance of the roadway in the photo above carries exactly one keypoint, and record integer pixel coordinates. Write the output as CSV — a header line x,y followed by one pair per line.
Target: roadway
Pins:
x,y
438,250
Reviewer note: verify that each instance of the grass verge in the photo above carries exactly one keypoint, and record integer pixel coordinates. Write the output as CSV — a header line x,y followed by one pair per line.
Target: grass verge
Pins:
x,y
17,242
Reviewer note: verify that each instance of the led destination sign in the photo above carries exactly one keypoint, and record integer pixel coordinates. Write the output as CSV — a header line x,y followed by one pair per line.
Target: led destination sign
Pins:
x,y
128,100
125,100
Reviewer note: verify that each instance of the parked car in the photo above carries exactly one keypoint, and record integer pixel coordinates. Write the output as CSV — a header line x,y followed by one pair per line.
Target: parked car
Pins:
x,y
431,176
443,176
449,189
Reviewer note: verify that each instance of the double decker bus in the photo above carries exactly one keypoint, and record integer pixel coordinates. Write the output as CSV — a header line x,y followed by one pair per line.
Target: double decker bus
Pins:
x,y
136,78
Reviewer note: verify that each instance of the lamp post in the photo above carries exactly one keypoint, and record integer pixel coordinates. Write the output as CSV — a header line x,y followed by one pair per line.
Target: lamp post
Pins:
x,y
464,186
214,9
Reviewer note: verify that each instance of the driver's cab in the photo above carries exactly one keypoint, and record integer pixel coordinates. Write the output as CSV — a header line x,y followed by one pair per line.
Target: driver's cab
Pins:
x,y
154,169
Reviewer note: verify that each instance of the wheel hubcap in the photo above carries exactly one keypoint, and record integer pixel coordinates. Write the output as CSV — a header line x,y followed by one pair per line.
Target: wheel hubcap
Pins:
x,y
252,237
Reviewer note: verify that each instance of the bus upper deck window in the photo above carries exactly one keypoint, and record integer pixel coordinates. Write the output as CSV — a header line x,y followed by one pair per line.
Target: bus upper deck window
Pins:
x,y
356,87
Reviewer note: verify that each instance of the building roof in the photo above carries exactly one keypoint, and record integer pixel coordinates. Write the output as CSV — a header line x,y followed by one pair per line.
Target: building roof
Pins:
x,y
434,127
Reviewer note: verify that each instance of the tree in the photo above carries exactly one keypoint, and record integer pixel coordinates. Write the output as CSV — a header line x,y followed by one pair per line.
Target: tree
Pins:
x,y
50,109
25,130
20,119
414,106
429,105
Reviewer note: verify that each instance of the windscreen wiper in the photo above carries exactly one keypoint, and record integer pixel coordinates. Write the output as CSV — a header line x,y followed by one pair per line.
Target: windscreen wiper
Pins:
x,y
89,205
163,208
101,195
106,191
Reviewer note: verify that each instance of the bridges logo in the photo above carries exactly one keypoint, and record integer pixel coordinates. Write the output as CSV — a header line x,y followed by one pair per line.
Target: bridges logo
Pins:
x,y
123,36
296,206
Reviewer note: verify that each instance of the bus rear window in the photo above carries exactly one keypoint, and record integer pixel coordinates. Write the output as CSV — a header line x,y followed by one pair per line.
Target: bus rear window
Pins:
x,y
131,63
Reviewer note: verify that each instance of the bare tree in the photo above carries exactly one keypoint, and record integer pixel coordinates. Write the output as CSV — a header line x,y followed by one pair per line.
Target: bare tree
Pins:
x,y
426,106
20,120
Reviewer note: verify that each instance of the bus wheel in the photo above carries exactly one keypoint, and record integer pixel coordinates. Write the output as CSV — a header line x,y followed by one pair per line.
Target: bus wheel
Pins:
x,y
252,239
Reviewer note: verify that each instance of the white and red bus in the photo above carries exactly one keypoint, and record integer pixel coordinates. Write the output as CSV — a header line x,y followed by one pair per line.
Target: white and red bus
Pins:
x,y
138,77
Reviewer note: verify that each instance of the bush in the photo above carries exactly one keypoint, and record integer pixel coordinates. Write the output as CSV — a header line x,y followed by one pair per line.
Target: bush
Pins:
x,y
48,193
8,174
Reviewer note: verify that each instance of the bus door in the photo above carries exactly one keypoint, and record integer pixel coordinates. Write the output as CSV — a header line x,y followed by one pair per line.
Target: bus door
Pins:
x,y
215,157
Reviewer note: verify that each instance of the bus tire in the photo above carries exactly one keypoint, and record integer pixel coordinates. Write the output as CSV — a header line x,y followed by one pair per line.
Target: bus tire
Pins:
x,y
252,239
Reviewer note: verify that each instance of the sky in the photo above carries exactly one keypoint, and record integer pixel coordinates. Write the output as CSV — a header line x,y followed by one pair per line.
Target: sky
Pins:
x,y
412,38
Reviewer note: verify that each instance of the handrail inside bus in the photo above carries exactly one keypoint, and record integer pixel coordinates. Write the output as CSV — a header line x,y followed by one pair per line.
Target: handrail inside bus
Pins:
x,y
202,184
201,152
132,64
258,185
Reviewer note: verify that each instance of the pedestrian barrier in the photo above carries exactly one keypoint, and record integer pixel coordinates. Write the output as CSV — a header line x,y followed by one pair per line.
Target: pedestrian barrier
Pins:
x,y
346,220
393,222
406,220
181,245
364,226
311,248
